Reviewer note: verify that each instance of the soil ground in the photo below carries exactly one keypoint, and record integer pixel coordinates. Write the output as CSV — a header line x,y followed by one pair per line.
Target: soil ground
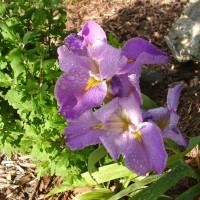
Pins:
x,y
150,20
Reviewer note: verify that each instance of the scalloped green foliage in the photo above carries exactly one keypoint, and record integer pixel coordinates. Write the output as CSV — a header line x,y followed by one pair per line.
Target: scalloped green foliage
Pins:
x,y
29,121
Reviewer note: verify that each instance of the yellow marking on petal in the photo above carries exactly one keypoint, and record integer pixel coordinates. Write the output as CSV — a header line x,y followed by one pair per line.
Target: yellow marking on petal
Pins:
x,y
92,82
89,44
98,126
137,135
130,60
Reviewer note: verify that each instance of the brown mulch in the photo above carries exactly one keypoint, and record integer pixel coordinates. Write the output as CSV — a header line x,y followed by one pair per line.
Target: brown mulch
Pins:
x,y
125,19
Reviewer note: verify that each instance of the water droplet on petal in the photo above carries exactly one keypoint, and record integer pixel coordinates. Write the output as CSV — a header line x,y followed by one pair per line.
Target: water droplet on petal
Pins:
x,y
71,78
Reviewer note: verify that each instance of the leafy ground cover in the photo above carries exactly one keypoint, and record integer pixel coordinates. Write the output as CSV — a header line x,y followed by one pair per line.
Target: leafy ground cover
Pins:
x,y
29,70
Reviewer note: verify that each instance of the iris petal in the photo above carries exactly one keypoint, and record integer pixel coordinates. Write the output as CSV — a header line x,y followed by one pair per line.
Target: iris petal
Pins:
x,y
173,97
80,132
93,34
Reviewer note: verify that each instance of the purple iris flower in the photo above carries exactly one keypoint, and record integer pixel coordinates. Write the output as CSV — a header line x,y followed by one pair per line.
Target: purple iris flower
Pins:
x,y
83,85
122,132
167,118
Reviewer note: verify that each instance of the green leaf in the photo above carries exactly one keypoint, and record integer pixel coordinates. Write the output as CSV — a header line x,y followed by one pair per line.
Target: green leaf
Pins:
x,y
16,59
3,9
135,186
95,156
95,194
166,182
8,33
55,2
192,143
28,36
148,103
190,193
39,17
5,80
3,64
107,173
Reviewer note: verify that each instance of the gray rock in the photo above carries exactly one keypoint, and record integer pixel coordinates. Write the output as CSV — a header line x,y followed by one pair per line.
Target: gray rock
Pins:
x,y
184,37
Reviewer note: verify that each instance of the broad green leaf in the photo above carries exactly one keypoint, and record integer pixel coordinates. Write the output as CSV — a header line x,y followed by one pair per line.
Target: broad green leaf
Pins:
x,y
95,194
163,184
108,173
192,143
95,156
190,193
148,103
135,186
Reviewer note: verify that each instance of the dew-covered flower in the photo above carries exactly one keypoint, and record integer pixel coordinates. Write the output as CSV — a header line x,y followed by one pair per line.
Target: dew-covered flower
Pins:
x,y
83,85
122,132
167,118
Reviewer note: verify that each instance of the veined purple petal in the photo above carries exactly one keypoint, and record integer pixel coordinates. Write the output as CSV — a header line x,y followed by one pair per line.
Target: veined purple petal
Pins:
x,y
135,46
157,113
173,97
113,143
147,155
136,156
134,79
91,98
132,107
141,52
121,85
68,87
93,34
109,59
106,111
176,136
80,132
69,60
153,143
173,122
147,58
